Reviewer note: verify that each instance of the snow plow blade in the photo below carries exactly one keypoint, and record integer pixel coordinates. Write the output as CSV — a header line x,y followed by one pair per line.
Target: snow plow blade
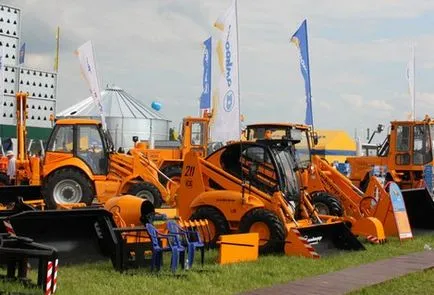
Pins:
x,y
79,235
321,239
420,207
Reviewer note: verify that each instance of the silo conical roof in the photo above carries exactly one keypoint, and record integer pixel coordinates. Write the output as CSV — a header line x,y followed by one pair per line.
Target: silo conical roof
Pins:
x,y
117,103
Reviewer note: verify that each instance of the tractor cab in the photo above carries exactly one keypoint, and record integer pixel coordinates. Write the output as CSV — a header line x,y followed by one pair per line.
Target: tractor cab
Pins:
x,y
268,165
294,133
195,135
79,138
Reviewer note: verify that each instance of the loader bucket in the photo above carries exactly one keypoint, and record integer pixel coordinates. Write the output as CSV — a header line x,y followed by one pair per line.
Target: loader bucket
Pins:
x,y
321,239
79,235
420,207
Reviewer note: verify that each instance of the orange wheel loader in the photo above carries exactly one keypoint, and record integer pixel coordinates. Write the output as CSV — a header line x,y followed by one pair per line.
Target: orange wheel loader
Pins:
x,y
253,187
331,192
407,151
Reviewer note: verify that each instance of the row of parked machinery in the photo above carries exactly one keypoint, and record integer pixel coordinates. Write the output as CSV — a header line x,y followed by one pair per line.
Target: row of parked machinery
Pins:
x,y
269,184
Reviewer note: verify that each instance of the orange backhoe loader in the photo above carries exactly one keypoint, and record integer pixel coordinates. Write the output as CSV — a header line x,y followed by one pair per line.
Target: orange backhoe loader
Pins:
x,y
332,193
407,151
253,187
80,164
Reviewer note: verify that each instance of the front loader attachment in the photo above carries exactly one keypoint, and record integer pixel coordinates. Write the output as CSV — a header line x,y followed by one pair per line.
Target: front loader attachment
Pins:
x,y
321,239
420,207
79,235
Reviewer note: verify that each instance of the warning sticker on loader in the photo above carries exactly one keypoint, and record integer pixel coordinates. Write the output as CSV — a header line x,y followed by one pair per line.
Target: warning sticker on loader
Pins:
x,y
400,212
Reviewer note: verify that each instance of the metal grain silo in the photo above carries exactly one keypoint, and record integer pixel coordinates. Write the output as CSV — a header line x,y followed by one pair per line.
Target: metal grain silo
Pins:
x,y
126,117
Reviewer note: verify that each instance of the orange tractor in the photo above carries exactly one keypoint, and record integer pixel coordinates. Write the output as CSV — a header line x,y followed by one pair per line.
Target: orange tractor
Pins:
x,y
80,164
253,187
371,213
407,152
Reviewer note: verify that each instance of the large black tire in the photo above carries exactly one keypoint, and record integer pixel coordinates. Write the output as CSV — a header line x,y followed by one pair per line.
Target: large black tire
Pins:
x,y
171,171
217,219
146,190
275,228
68,186
4,179
327,204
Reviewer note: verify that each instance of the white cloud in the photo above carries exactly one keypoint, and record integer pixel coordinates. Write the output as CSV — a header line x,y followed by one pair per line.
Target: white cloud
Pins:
x,y
152,49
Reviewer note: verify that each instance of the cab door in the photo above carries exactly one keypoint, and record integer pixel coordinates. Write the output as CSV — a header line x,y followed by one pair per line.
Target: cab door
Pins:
x,y
91,148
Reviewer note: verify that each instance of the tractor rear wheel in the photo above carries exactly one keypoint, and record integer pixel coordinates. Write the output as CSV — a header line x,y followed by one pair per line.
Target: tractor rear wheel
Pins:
x,y
174,173
67,186
327,204
269,227
217,223
148,191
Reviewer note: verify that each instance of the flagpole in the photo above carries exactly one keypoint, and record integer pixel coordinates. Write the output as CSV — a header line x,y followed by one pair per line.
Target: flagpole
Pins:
x,y
414,83
310,84
238,65
56,69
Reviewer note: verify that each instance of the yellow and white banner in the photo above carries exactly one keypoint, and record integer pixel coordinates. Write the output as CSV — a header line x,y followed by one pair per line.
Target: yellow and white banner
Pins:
x,y
226,111
88,69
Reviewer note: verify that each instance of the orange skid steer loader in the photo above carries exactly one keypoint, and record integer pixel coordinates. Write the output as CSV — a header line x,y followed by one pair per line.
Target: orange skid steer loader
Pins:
x,y
252,187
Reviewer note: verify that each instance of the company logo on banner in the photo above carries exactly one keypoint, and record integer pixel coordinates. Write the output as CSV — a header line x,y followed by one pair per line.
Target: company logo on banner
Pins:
x,y
205,98
226,123
88,69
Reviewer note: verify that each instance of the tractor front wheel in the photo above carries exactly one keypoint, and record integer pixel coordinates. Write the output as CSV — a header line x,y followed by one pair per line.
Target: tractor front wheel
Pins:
x,y
269,227
67,186
148,191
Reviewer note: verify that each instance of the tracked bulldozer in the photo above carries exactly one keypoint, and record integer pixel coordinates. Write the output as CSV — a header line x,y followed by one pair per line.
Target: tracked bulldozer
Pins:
x,y
407,152
370,213
80,165
253,187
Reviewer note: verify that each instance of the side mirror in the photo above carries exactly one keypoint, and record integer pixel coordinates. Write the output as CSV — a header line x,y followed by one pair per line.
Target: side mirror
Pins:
x,y
135,139
315,139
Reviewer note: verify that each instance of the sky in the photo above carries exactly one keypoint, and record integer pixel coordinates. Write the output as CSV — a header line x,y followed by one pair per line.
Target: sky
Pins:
x,y
359,52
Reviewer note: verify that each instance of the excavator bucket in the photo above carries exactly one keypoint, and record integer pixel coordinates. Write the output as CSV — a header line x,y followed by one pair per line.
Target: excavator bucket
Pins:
x,y
420,207
79,235
322,239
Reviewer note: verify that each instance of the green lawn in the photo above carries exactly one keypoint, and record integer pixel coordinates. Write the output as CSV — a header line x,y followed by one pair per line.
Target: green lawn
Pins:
x,y
416,283
214,279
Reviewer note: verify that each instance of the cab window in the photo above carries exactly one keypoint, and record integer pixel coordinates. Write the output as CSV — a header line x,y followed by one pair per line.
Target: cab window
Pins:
x,y
62,139
197,134
403,138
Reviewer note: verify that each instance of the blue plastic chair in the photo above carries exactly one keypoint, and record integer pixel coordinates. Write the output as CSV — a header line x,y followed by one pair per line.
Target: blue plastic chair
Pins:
x,y
174,246
190,239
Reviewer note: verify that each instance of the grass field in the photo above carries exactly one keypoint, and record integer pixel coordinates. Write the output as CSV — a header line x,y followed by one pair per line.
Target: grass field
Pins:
x,y
214,279
416,283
